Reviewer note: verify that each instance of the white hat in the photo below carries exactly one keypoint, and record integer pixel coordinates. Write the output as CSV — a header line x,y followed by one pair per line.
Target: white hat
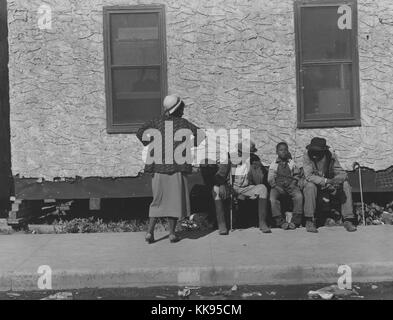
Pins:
x,y
171,103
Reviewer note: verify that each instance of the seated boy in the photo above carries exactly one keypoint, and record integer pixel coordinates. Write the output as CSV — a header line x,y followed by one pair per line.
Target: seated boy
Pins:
x,y
283,177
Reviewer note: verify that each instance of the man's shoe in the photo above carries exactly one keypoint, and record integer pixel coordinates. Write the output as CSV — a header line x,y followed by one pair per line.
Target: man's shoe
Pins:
x,y
264,228
310,226
348,225
285,226
330,222
297,220
279,222
223,232
291,226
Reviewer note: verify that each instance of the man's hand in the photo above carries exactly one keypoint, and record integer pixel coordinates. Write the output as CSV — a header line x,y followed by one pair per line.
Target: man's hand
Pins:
x,y
293,184
337,181
279,189
223,192
333,182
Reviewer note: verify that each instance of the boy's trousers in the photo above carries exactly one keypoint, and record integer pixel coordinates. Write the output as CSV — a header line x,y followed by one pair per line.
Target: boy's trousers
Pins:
x,y
297,198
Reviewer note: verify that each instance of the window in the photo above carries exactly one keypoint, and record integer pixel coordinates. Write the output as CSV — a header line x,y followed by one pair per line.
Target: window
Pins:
x,y
327,63
135,65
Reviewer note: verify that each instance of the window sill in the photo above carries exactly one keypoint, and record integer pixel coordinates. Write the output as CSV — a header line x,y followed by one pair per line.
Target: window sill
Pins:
x,y
129,128
328,124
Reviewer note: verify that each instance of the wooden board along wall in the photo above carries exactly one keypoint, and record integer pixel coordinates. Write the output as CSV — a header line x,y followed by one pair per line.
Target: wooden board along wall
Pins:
x,y
87,188
133,187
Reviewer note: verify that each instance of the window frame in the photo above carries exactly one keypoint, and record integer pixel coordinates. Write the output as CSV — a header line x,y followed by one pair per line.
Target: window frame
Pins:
x,y
132,127
355,118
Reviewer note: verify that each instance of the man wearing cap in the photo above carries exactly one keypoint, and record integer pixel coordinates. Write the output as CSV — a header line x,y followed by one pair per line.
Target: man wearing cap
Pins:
x,y
250,180
169,183
323,173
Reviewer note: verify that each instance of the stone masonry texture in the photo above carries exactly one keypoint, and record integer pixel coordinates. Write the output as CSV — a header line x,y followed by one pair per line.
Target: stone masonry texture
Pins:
x,y
232,61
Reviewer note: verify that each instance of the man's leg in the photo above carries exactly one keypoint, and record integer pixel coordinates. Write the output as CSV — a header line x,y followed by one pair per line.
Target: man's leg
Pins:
x,y
260,191
276,208
310,192
220,211
347,208
275,203
297,199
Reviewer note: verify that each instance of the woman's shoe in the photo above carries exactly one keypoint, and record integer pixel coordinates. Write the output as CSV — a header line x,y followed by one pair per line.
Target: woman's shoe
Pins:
x,y
173,238
149,238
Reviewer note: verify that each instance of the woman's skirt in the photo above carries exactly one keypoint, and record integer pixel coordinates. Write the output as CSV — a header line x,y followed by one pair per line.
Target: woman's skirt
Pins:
x,y
170,196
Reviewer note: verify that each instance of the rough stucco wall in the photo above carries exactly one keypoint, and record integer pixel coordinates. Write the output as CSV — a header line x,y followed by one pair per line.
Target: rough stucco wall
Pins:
x,y
233,62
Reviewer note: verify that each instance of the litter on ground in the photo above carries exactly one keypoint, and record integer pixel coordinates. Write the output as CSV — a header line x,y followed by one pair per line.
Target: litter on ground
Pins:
x,y
59,296
329,292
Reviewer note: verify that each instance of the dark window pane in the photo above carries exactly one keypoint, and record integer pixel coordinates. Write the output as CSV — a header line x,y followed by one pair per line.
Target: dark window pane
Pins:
x,y
327,91
321,37
135,110
136,94
135,39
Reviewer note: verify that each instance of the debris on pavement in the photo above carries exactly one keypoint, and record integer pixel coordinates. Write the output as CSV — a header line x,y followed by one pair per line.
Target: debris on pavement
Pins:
x,y
374,213
374,287
59,296
234,288
184,293
225,293
329,292
192,288
251,294
323,295
13,294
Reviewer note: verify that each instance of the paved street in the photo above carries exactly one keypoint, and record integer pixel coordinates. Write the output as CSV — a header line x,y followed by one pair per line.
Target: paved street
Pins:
x,y
362,291
245,257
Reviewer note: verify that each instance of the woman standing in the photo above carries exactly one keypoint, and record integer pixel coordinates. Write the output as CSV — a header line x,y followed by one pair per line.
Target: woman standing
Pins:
x,y
169,183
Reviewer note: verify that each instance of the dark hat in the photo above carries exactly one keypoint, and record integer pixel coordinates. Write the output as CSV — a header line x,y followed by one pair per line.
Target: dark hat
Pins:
x,y
251,143
318,144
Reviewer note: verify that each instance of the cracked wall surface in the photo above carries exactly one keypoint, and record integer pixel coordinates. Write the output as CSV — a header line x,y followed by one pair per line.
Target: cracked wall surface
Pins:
x,y
233,61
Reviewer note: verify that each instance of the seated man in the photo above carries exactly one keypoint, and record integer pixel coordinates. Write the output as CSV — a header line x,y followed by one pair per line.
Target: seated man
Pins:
x,y
283,178
248,182
323,173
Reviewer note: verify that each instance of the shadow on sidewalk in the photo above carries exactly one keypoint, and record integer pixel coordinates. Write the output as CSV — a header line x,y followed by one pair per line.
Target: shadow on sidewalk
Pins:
x,y
185,234
194,234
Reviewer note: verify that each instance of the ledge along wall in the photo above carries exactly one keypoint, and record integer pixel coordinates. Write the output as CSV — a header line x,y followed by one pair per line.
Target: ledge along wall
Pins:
x,y
233,61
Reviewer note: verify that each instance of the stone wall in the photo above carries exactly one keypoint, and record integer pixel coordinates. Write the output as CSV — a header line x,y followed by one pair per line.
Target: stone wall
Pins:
x,y
233,61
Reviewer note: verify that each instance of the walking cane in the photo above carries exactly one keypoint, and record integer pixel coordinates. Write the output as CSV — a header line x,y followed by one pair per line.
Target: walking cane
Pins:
x,y
355,166
231,199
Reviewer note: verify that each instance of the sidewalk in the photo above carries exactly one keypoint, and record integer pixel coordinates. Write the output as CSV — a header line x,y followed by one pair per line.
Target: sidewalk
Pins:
x,y
243,257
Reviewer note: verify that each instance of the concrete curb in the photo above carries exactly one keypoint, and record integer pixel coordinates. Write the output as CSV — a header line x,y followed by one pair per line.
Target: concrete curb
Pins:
x,y
199,276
